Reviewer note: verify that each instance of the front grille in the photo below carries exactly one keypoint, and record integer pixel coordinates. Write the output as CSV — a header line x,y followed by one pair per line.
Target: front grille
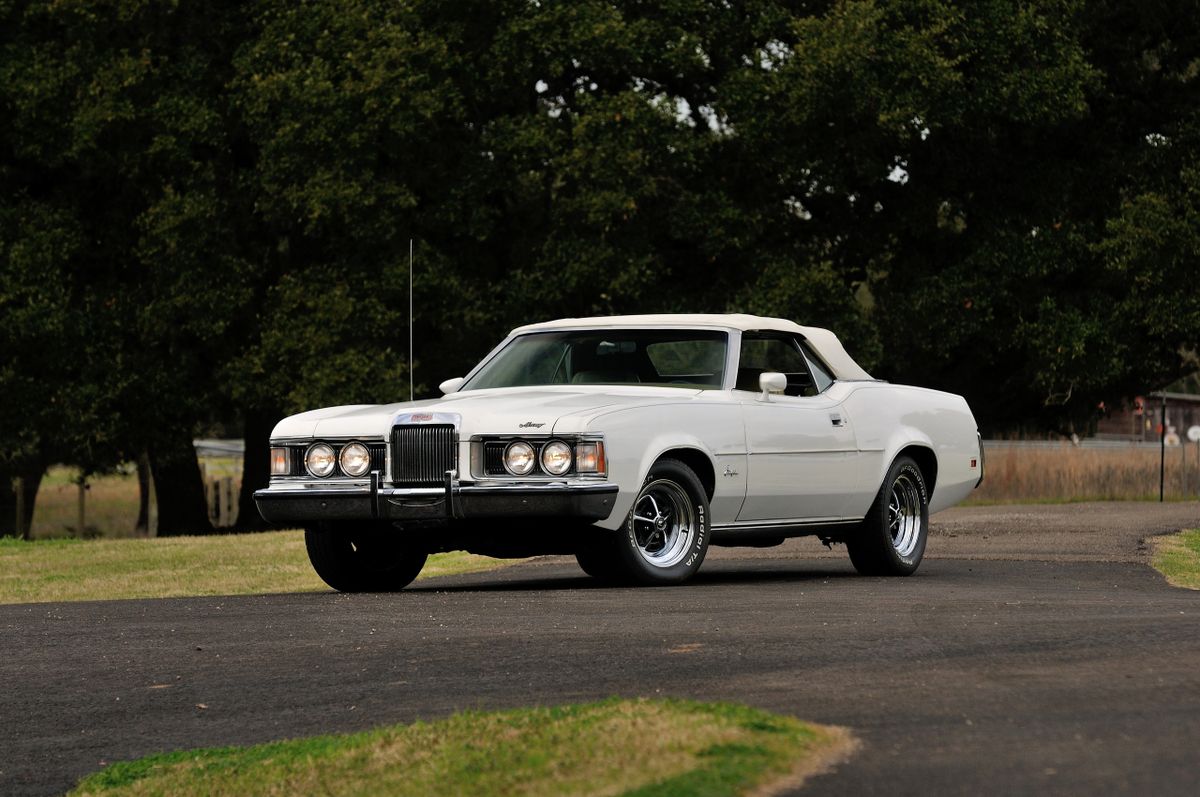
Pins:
x,y
296,460
378,456
423,452
493,459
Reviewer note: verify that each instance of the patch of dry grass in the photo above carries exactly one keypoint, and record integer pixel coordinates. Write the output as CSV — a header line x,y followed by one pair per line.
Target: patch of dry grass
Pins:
x,y
110,501
111,505
660,747
172,567
1072,473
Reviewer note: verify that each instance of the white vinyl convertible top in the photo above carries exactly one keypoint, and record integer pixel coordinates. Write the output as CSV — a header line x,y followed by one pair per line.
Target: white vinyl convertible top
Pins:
x,y
823,341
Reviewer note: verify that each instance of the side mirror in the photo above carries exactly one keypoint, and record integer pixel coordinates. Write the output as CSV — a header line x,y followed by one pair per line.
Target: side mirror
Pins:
x,y
771,382
451,385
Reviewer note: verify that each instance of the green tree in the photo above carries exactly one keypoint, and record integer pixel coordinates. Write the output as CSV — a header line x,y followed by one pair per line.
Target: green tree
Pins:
x,y
119,142
207,209
1015,278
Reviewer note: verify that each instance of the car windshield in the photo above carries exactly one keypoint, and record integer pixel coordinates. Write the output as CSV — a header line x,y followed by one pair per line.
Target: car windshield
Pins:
x,y
689,358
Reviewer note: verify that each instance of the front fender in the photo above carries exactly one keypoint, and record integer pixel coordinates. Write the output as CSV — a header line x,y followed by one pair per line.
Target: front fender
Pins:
x,y
634,441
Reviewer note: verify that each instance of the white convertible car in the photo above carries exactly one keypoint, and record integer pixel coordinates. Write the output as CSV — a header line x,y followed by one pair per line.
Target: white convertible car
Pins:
x,y
633,443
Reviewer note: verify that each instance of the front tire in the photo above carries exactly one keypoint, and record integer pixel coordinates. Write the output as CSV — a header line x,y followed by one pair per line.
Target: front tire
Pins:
x,y
598,559
891,539
665,536
362,559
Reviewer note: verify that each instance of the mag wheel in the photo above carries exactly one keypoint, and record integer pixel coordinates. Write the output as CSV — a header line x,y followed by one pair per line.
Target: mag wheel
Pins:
x,y
665,536
891,539
362,559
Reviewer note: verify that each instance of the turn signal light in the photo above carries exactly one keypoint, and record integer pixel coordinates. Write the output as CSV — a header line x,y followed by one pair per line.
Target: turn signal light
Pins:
x,y
589,458
280,464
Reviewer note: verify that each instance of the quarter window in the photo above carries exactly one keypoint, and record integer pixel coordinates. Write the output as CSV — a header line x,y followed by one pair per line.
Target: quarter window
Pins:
x,y
821,376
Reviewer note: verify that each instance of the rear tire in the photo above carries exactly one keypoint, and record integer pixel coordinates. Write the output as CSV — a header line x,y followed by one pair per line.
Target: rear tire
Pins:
x,y
891,539
362,559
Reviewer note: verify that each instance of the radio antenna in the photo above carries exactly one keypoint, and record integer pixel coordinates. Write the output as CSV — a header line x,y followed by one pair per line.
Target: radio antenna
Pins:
x,y
410,319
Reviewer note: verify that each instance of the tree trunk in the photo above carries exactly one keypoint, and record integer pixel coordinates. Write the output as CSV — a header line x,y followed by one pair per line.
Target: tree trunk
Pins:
x,y
178,489
142,527
31,481
8,505
256,468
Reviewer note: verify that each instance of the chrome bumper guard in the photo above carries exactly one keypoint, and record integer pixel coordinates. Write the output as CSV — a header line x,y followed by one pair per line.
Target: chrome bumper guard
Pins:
x,y
453,501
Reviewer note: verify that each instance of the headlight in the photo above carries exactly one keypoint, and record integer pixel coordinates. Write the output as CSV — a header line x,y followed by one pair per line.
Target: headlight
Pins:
x,y
519,458
556,458
320,460
589,457
281,464
355,459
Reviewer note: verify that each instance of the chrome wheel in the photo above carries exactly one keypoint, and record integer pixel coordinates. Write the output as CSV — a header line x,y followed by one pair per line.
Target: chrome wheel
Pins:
x,y
664,523
904,515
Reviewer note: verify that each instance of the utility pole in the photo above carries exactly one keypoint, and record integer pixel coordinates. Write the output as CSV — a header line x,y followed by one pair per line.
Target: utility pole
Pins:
x,y
1162,451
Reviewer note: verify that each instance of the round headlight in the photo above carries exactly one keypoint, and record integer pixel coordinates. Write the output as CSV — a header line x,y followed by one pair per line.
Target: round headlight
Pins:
x,y
519,458
556,458
355,459
320,460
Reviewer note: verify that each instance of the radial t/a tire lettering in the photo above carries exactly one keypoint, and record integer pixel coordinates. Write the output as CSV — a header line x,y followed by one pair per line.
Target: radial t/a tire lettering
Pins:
x,y
354,559
666,534
890,541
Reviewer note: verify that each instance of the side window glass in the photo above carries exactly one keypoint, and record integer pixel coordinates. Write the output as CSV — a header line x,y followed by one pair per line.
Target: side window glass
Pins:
x,y
822,379
763,352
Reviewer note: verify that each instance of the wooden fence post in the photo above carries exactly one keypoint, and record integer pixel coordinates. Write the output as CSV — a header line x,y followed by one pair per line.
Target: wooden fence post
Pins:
x,y
82,527
223,490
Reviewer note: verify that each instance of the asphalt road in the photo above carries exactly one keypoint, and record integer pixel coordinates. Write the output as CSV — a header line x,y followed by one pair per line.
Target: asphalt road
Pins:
x,y
1034,652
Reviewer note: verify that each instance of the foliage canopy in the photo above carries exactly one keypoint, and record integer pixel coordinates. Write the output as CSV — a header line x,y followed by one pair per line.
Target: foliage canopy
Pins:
x,y
206,207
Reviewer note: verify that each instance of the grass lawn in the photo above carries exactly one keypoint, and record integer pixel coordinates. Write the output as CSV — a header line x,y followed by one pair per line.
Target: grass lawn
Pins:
x,y
171,567
1178,558
614,747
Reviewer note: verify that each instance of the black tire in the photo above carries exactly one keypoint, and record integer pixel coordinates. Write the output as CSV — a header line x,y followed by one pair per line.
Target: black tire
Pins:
x,y
891,539
362,559
670,547
598,558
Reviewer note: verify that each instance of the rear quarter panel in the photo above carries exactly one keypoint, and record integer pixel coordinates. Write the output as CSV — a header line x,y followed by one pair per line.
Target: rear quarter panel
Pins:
x,y
889,418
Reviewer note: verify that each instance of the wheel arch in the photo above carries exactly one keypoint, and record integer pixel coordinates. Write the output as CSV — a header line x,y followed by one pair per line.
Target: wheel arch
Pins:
x,y
926,461
700,463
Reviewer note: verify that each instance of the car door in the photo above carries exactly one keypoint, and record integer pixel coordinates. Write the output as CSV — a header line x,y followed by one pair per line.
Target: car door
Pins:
x,y
802,454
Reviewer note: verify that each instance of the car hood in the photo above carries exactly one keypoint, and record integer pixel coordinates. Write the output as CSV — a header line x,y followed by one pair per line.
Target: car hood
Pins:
x,y
534,410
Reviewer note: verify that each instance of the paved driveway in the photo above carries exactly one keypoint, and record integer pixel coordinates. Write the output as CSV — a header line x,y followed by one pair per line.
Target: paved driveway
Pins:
x,y
1033,652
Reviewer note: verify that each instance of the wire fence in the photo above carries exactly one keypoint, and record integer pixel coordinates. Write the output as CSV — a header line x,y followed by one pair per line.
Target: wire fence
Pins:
x,y
1104,470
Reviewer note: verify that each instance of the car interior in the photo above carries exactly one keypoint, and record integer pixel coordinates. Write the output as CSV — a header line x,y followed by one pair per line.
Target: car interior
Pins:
x,y
764,352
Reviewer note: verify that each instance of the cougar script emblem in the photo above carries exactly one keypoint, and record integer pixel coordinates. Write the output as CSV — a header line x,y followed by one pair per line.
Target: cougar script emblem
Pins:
x,y
531,425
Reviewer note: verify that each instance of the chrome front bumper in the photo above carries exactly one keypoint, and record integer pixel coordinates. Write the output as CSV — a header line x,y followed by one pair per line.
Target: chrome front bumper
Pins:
x,y
285,502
